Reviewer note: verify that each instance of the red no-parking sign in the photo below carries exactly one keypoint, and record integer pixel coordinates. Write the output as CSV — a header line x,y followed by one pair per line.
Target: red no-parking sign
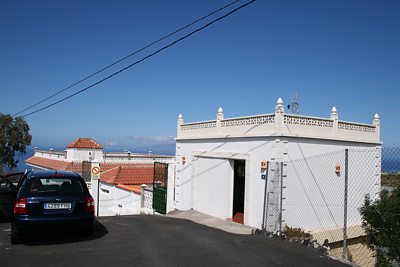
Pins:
x,y
95,172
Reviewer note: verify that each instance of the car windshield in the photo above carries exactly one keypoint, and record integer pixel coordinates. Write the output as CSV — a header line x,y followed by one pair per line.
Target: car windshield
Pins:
x,y
57,185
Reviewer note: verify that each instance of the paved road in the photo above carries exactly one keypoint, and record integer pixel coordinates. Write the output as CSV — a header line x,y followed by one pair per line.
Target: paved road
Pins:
x,y
156,241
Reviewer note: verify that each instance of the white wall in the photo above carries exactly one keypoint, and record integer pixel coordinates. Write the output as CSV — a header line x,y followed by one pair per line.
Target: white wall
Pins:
x,y
170,187
48,154
116,201
253,150
270,148
80,154
213,187
136,158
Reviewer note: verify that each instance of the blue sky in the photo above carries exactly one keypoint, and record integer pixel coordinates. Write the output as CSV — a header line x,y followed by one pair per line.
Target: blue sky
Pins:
x,y
331,53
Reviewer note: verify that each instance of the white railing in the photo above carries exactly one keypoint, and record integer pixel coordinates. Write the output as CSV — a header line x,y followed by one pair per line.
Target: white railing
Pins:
x,y
148,198
250,120
308,121
356,127
199,125
51,154
283,124
136,158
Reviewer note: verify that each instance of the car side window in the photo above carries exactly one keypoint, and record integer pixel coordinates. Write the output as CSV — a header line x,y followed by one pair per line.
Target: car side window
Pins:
x,y
6,186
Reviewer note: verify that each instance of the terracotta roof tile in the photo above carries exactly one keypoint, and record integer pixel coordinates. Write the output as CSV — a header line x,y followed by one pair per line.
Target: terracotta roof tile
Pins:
x,y
132,174
74,167
55,164
84,143
48,163
112,173
109,176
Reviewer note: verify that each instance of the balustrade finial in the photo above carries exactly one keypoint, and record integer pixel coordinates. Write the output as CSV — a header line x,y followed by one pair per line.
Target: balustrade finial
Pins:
x,y
220,114
180,119
334,116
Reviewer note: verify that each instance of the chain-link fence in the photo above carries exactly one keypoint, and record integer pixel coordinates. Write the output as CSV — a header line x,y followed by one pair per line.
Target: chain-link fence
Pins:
x,y
319,198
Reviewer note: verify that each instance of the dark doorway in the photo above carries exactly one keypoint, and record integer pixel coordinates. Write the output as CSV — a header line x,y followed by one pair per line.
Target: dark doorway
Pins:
x,y
238,190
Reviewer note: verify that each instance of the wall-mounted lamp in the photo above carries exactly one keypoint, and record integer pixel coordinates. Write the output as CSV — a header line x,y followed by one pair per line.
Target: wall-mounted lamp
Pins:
x,y
337,168
264,164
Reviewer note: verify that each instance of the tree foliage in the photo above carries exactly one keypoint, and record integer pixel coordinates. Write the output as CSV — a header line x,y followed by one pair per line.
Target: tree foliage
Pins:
x,y
381,222
14,138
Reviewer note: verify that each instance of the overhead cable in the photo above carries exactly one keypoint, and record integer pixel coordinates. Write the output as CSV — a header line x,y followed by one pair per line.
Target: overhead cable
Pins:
x,y
141,60
126,57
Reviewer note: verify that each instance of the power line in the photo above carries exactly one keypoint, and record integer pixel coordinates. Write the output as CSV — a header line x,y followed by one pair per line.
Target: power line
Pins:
x,y
141,60
125,57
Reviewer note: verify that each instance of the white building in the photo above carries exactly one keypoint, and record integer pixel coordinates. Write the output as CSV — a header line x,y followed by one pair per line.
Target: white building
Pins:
x,y
219,168
87,149
121,173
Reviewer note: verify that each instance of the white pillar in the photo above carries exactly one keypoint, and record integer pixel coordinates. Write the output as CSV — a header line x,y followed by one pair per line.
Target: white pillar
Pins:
x,y
220,116
335,117
170,187
279,113
377,123
142,187
95,183
180,122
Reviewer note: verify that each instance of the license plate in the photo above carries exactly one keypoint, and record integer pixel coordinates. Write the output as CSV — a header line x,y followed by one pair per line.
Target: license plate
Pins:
x,y
57,206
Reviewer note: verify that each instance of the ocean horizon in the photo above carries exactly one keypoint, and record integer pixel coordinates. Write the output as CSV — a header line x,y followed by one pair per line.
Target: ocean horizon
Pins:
x,y
390,156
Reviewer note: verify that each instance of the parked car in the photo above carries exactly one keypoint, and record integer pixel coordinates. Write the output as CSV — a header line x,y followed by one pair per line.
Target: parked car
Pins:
x,y
8,191
52,201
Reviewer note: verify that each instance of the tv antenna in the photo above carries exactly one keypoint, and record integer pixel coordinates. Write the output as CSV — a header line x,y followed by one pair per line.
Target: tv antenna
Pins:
x,y
295,107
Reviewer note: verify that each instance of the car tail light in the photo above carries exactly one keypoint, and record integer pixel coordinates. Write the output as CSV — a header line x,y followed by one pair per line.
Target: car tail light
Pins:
x,y
90,205
20,206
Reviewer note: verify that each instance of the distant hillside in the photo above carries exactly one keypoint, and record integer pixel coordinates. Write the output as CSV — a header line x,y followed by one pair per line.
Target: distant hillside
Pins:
x,y
391,180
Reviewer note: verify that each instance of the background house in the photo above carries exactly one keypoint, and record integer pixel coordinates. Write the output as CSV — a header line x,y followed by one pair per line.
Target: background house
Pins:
x,y
121,173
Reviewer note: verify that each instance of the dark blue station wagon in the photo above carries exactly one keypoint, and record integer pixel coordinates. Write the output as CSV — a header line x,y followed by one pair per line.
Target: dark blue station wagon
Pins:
x,y
52,201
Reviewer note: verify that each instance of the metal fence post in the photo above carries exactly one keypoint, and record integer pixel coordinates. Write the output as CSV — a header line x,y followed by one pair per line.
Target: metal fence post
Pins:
x,y
346,181
280,204
265,198
142,187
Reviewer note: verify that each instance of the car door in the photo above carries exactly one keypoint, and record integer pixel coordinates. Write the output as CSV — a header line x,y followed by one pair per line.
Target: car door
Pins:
x,y
8,192
16,178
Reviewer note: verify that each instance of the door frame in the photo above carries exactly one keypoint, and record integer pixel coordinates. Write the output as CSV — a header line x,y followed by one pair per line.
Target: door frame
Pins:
x,y
228,156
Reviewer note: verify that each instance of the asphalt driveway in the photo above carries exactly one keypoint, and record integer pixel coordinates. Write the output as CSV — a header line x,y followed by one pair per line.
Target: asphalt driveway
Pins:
x,y
146,240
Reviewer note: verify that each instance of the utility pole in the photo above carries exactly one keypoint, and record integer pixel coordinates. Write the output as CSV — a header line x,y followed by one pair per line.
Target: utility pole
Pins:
x,y
346,182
